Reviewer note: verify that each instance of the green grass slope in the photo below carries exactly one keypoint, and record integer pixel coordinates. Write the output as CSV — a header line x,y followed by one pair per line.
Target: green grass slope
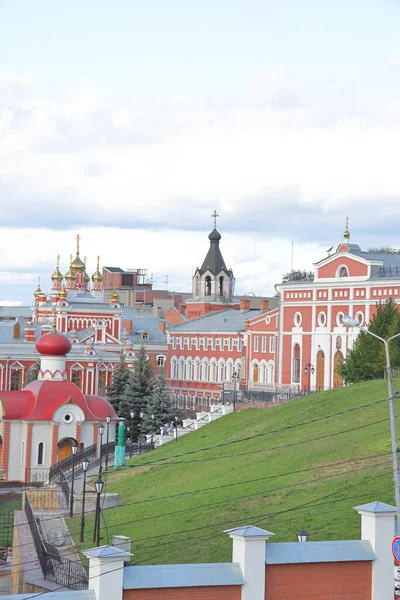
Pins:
x,y
175,508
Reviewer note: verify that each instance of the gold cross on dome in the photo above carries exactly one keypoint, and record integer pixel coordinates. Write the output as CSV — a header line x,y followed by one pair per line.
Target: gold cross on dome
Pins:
x,y
98,262
78,237
215,216
347,222
58,261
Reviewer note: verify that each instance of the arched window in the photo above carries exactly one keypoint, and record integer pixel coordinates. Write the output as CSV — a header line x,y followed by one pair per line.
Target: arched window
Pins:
x,y
204,368
196,287
40,453
160,360
221,286
76,378
263,370
189,370
343,272
213,371
173,368
197,370
15,380
221,368
102,383
296,364
181,369
255,373
229,371
208,286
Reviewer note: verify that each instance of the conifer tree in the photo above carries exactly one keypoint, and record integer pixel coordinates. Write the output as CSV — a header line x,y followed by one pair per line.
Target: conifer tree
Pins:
x,y
138,391
159,407
367,358
117,388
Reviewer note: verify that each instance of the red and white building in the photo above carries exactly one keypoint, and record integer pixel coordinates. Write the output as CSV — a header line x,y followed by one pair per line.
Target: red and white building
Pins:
x,y
296,345
99,331
40,424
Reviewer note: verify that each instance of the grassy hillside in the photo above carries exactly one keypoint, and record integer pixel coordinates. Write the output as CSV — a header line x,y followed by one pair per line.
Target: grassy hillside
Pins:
x,y
303,476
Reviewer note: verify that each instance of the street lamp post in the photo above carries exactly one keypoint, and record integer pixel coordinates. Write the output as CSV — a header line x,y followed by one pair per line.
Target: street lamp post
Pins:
x,y
101,431
132,414
309,370
176,427
108,420
235,379
74,449
99,483
152,429
140,432
350,322
85,466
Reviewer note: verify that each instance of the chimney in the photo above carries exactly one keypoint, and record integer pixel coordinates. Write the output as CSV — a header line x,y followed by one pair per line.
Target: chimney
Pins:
x,y
244,305
106,571
162,326
264,305
182,309
377,526
123,543
249,551
16,330
29,333
157,312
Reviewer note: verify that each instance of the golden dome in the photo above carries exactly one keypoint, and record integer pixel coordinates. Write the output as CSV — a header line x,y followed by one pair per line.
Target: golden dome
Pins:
x,y
38,292
69,274
97,277
57,276
63,293
114,296
77,265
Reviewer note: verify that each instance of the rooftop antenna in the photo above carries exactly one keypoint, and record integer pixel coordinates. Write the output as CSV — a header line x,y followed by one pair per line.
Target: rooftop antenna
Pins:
x,y
166,282
329,250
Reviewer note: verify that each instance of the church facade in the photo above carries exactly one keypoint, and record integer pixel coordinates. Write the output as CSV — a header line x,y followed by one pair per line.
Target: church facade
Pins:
x,y
99,331
40,424
294,345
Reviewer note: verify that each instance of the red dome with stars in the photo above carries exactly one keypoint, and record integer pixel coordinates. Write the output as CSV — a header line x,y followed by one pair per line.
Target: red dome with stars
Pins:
x,y
53,344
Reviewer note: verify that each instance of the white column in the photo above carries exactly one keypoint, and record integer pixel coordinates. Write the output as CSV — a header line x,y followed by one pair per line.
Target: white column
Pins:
x,y
106,571
377,526
249,552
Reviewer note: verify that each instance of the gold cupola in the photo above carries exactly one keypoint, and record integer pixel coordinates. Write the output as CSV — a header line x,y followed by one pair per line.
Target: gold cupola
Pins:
x,y
346,234
97,277
63,293
38,292
69,275
57,276
77,265
114,296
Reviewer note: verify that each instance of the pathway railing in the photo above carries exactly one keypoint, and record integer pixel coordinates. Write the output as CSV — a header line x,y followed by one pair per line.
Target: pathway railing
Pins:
x,y
69,573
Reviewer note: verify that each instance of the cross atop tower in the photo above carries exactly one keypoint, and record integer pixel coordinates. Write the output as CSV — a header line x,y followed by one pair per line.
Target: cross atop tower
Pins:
x,y
78,237
347,222
215,216
58,261
98,262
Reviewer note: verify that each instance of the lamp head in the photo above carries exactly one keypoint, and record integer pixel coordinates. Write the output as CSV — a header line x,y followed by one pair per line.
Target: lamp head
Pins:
x,y
85,465
101,429
99,483
302,535
108,419
74,449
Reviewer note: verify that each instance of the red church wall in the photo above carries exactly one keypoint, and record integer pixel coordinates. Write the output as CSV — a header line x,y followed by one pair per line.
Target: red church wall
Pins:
x,y
28,449
314,581
355,268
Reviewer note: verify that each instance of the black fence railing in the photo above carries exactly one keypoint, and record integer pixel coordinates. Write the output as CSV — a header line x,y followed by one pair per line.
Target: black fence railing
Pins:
x,y
66,464
36,475
69,573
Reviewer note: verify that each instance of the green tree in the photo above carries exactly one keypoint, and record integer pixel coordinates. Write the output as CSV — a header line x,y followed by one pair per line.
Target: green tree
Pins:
x,y
33,372
367,359
138,391
117,388
159,406
384,250
295,275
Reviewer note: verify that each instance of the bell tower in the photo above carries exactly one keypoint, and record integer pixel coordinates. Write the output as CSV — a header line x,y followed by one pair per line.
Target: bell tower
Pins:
x,y
213,283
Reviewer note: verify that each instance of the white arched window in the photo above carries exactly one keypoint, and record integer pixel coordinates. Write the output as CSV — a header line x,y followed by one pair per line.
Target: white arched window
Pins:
x,y
204,369
173,368
189,369
221,369
263,372
229,370
342,272
213,371
197,370
181,369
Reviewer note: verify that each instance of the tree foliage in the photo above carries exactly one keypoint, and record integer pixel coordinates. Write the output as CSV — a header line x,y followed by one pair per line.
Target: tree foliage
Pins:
x,y
367,358
159,407
138,391
385,250
117,388
298,275
33,372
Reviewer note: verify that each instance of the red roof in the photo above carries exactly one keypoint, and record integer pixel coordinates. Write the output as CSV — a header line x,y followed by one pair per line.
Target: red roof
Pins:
x,y
40,399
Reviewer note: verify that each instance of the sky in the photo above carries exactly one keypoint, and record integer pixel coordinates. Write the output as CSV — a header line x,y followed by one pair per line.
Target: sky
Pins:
x,y
129,122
